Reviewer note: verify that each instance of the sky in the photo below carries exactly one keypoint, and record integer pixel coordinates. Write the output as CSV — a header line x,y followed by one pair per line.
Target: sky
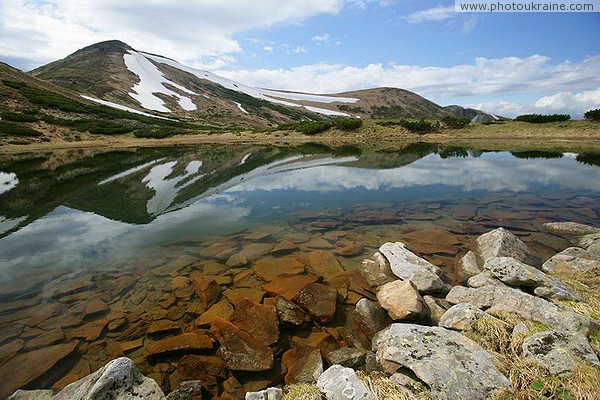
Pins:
x,y
506,63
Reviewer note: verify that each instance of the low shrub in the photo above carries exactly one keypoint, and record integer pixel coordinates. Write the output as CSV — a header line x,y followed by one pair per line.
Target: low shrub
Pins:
x,y
312,127
19,117
592,115
420,126
154,133
92,125
347,124
456,122
10,129
542,119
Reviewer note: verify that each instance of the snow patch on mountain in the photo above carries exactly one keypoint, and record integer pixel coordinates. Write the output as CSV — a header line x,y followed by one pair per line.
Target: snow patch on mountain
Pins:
x,y
240,107
122,107
272,96
152,81
325,111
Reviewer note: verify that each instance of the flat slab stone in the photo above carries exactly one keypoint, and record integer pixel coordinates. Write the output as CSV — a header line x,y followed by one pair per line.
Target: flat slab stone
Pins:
x,y
573,259
289,285
185,342
268,269
496,298
26,367
452,365
570,229
515,273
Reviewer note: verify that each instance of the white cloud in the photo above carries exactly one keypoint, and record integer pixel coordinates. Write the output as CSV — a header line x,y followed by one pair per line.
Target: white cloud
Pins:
x,y
574,104
42,31
300,49
321,39
432,14
268,49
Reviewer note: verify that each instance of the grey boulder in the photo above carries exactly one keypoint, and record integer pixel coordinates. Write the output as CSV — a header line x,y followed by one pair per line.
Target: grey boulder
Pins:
x,y
485,278
559,352
347,357
408,266
267,394
452,365
570,229
467,266
341,383
117,380
516,273
574,259
501,243
461,317
495,298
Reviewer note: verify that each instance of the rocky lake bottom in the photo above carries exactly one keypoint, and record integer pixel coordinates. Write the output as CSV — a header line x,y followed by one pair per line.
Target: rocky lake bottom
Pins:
x,y
243,267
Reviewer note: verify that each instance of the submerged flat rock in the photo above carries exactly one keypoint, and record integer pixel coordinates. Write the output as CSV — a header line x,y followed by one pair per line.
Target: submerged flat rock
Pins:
x,y
26,367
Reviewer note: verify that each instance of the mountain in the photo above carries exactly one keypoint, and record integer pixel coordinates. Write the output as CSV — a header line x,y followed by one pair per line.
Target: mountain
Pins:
x,y
115,74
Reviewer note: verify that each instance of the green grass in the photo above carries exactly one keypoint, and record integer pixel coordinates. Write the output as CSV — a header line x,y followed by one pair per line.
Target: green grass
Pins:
x,y
11,129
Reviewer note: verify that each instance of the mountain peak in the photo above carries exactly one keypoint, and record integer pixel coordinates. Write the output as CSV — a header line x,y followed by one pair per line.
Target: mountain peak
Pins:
x,y
108,46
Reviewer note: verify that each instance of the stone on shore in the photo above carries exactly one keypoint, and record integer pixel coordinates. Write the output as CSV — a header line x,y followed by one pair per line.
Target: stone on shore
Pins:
x,y
573,259
347,357
117,380
401,300
370,317
341,383
467,266
559,352
408,266
452,365
570,229
502,243
495,298
515,273
437,308
485,278
461,317
376,271
267,394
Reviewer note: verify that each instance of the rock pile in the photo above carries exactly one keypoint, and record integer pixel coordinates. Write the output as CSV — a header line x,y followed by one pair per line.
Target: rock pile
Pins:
x,y
250,320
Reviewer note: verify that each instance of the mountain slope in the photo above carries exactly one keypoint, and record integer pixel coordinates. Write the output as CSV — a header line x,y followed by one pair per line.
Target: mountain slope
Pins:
x,y
115,72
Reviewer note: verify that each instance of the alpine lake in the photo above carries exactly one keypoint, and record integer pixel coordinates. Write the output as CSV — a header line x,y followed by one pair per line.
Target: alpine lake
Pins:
x,y
137,252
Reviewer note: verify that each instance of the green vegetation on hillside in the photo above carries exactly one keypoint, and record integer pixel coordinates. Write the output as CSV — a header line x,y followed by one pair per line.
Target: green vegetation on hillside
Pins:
x,y
542,119
7,128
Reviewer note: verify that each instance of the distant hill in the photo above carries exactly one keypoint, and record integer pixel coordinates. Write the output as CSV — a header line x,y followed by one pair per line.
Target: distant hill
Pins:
x,y
117,74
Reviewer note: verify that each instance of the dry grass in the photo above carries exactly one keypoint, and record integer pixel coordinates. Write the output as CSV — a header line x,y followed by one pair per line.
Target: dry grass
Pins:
x,y
302,391
530,381
384,389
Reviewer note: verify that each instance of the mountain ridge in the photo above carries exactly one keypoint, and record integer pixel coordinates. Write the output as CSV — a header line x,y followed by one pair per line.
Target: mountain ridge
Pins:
x,y
115,72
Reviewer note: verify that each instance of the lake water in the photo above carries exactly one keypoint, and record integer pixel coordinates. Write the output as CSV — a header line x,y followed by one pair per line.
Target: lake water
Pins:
x,y
125,227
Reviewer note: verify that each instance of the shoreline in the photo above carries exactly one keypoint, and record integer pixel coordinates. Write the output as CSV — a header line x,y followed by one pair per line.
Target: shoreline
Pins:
x,y
577,136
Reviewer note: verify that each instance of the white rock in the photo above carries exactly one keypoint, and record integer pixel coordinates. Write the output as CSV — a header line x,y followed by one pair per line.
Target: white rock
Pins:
x,y
502,243
467,266
461,317
408,266
267,394
340,383
117,380
401,300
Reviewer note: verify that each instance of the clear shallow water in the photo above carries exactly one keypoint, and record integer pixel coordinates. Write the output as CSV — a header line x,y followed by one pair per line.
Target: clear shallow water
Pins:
x,y
123,215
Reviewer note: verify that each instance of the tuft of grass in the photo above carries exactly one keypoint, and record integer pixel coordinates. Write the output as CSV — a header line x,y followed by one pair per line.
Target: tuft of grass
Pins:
x,y
384,389
302,391
588,285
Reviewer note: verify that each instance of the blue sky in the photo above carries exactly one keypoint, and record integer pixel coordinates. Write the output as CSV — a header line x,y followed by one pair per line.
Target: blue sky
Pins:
x,y
507,63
